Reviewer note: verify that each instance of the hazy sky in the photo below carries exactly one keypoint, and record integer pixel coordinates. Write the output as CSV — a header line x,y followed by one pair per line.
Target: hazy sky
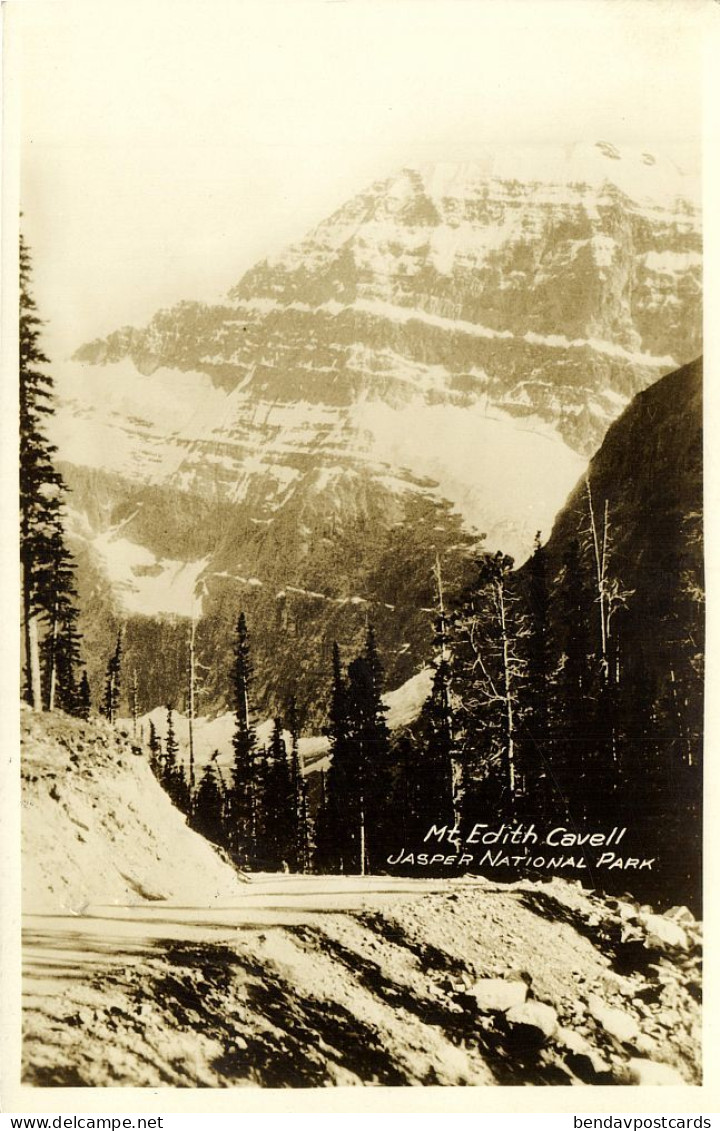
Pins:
x,y
165,148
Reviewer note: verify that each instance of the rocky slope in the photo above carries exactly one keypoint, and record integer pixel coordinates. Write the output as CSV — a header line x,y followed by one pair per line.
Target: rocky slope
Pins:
x,y
156,967
479,984
646,484
648,473
649,468
97,827
453,337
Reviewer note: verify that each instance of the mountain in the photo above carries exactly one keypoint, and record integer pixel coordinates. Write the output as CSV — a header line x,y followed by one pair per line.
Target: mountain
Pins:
x,y
646,492
434,361
648,476
649,470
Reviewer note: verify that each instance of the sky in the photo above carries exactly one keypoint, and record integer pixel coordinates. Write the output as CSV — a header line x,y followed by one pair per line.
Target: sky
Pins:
x,y
165,148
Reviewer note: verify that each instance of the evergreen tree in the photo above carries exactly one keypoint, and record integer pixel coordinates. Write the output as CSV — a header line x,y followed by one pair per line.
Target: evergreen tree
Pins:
x,y
300,857
60,649
410,798
304,839
191,697
208,816
277,811
155,749
111,698
244,799
171,748
324,856
371,739
430,759
173,773
338,818
68,660
431,792
134,710
84,697
45,563
354,825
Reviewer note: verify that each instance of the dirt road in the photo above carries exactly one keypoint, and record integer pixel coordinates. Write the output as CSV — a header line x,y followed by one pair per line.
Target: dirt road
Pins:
x,y
308,981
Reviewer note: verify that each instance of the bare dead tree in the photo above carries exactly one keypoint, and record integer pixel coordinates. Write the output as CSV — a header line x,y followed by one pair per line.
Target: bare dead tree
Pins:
x,y
491,630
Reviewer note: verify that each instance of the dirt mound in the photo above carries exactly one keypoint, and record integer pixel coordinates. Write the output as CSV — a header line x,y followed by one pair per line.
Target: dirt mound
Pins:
x,y
98,828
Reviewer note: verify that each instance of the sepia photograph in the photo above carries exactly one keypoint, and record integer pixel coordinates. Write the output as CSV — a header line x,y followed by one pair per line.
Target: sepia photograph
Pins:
x,y
361,584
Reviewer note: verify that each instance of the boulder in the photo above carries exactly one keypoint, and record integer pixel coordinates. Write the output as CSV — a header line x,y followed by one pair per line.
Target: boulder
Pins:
x,y
652,1074
626,910
680,915
497,994
541,1019
645,1044
579,1046
663,932
616,1023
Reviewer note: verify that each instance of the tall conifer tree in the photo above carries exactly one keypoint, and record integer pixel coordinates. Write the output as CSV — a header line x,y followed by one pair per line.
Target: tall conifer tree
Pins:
x,y
209,808
111,698
337,820
47,585
84,697
173,772
155,751
432,789
278,812
352,830
244,799
371,740
298,785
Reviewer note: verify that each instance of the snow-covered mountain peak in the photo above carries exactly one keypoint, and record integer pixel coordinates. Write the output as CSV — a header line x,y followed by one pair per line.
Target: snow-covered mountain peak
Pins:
x,y
642,175
466,216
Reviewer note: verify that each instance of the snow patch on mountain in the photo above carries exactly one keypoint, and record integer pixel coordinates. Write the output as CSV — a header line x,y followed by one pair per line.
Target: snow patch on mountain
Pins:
x,y
112,417
145,584
506,476
672,262
212,737
403,314
405,702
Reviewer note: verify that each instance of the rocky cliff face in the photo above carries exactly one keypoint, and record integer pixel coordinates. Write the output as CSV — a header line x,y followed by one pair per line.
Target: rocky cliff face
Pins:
x,y
546,282
646,489
649,470
450,345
